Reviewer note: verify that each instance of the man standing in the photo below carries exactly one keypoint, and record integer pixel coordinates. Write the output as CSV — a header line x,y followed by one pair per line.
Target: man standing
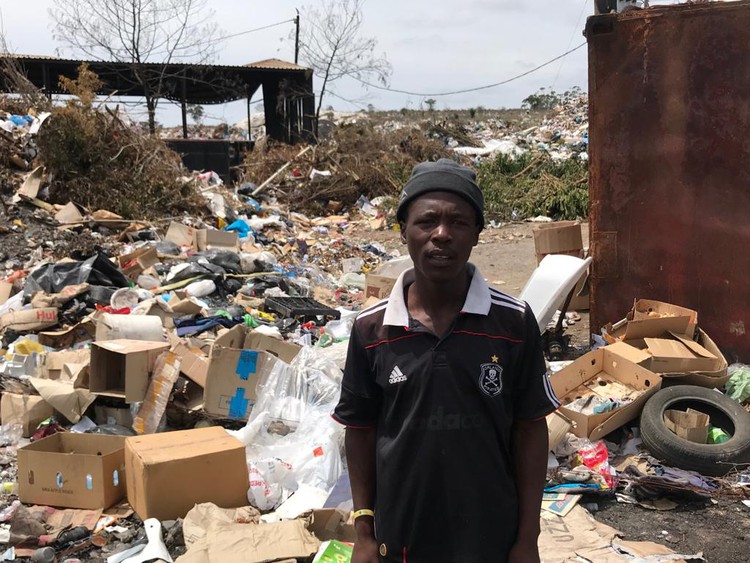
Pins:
x,y
444,397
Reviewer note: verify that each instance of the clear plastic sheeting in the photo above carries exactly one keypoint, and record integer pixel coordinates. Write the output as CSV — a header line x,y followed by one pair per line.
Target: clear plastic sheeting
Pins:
x,y
290,437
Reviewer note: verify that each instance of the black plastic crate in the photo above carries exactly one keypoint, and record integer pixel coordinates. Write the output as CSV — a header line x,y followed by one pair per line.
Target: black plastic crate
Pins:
x,y
299,307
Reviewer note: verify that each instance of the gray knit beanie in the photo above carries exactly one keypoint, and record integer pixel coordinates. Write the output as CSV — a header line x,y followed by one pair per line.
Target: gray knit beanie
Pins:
x,y
442,176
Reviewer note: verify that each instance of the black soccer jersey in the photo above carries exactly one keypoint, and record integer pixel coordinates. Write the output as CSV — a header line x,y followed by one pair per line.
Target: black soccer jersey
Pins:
x,y
443,409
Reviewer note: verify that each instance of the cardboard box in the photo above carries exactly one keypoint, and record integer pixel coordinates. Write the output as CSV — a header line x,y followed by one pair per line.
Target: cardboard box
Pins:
x,y
122,368
652,319
561,237
605,374
29,319
201,239
379,287
691,425
679,355
54,362
194,363
168,473
72,470
239,359
27,410
715,374
134,263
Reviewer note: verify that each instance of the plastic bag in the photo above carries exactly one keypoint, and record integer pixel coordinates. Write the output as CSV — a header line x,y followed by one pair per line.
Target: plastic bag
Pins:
x,y
53,278
269,479
291,423
596,457
738,386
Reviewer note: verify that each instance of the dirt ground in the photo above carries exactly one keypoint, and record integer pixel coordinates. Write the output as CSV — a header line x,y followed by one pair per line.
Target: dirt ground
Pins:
x,y
720,529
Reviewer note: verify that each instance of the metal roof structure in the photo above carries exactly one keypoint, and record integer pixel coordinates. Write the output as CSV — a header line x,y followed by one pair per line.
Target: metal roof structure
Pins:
x,y
287,87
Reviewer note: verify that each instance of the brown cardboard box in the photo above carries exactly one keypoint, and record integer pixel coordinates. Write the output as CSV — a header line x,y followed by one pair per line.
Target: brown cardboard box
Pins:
x,y
122,368
646,309
194,364
239,359
607,375
560,237
168,473
72,470
379,287
27,410
691,424
679,355
715,376
134,263
201,239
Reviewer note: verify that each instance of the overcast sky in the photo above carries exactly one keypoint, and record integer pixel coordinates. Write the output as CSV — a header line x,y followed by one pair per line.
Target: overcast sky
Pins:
x,y
433,45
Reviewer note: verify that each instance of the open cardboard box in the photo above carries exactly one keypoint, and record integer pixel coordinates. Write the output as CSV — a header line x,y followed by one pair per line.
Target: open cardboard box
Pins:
x,y
559,237
607,375
122,368
239,359
652,319
27,410
678,357
72,470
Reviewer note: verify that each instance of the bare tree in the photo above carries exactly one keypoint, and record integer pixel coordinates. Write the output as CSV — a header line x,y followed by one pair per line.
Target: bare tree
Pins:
x,y
148,34
331,45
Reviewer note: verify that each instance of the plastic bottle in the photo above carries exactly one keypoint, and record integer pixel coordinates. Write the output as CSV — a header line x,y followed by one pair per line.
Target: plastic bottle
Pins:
x,y
44,555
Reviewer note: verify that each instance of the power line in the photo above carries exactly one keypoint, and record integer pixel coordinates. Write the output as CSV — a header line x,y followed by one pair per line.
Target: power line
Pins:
x,y
549,62
258,29
570,42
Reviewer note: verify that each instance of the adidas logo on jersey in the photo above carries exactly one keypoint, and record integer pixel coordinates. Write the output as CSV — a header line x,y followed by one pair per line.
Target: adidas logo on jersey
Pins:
x,y
396,376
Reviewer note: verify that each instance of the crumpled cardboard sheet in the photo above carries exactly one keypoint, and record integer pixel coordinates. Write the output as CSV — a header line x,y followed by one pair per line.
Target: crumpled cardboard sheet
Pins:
x,y
579,538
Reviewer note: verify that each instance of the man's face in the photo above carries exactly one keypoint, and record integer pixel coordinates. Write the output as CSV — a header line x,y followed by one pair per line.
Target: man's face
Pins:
x,y
440,231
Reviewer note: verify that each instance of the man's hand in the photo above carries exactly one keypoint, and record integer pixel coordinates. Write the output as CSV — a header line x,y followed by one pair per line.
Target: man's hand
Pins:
x,y
366,551
523,552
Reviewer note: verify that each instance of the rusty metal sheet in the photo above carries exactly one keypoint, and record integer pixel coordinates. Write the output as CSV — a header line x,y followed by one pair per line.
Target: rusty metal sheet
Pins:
x,y
669,126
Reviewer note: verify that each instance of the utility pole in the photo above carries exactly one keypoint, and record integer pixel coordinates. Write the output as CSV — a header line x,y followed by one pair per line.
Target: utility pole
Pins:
x,y
296,39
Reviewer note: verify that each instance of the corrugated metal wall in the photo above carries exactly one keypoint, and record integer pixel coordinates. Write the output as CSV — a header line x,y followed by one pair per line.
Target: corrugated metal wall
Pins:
x,y
670,164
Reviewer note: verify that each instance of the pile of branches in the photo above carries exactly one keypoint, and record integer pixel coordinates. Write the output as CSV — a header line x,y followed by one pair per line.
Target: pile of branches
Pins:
x,y
362,159
531,185
100,161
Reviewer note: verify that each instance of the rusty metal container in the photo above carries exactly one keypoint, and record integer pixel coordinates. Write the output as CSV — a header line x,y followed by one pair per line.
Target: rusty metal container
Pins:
x,y
669,95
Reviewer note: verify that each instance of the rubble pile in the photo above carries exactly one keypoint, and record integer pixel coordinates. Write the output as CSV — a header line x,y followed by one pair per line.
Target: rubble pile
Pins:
x,y
157,368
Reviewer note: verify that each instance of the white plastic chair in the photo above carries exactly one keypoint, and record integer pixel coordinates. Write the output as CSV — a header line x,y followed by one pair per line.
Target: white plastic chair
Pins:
x,y
550,284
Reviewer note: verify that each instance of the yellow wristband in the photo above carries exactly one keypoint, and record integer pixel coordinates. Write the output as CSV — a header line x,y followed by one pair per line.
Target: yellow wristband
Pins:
x,y
363,512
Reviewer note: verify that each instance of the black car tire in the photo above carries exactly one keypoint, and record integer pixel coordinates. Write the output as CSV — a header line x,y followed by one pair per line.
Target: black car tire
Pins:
x,y
707,459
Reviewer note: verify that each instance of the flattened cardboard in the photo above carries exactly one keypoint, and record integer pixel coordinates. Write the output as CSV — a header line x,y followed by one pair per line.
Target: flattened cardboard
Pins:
x,y
82,332
54,362
715,377
27,410
29,319
234,369
63,397
168,473
679,355
208,239
594,373
180,234
194,363
692,425
69,214
135,263
72,470
379,287
558,425
5,291
122,368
